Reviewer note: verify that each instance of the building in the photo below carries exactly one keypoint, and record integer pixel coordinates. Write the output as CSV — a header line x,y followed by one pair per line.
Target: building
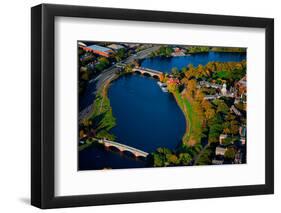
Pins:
x,y
173,81
211,97
224,90
238,157
235,110
131,45
99,50
116,47
242,131
208,84
243,140
217,162
178,51
222,137
81,44
220,150
241,85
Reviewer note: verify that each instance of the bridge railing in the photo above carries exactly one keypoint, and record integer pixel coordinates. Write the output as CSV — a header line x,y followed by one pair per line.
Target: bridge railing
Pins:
x,y
148,70
125,146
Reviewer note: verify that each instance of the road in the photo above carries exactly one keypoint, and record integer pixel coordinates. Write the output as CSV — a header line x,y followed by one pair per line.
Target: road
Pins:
x,y
110,72
196,158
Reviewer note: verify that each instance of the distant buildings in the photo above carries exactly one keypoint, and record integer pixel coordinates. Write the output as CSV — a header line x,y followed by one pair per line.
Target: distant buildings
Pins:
x,y
178,52
99,50
116,47
211,97
222,88
173,81
220,150
208,84
131,45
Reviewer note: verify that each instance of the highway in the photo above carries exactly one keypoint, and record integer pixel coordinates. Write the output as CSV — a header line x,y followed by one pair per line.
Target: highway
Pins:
x,y
110,73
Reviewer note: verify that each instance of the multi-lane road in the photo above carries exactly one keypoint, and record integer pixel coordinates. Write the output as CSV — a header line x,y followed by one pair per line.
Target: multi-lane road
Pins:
x,y
110,73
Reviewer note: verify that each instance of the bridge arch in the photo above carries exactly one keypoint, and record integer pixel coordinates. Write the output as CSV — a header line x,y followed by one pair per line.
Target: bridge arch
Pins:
x,y
123,148
138,72
113,148
156,77
147,74
129,153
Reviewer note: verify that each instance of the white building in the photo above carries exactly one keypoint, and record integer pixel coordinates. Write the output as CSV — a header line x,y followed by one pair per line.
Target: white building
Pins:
x,y
220,150
224,90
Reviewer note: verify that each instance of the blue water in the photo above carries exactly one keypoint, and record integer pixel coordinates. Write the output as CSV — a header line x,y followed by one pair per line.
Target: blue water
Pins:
x,y
100,158
147,118
165,64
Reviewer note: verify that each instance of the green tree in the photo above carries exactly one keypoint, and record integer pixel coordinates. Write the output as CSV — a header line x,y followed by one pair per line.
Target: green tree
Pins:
x,y
158,160
175,72
184,158
230,154
172,159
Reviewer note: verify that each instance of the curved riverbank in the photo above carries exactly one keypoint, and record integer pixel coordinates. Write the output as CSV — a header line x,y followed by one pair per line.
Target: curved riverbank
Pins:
x,y
193,123
147,117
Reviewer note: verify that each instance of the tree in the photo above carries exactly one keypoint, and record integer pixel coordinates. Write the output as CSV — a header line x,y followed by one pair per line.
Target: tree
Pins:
x,y
191,72
216,127
184,70
184,158
168,51
121,54
191,87
221,106
230,154
175,72
205,157
172,159
158,160
234,127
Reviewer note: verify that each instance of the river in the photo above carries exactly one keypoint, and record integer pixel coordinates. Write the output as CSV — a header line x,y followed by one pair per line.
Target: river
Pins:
x,y
147,117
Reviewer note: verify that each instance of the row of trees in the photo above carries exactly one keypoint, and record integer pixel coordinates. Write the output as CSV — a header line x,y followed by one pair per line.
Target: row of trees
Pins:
x,y
165,157
213,71
163,51
202,49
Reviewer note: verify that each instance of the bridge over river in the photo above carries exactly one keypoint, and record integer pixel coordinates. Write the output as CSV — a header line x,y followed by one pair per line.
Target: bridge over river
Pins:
x,y
123,147
151,72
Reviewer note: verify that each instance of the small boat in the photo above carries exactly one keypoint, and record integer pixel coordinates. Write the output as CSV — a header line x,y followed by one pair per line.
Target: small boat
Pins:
x,y
164,89
159,83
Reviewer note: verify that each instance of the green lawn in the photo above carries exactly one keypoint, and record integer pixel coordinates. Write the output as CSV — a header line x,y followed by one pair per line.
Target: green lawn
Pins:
x,y
103,110
194,129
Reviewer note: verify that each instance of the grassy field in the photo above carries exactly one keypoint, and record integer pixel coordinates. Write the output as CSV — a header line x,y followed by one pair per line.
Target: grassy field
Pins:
x,y
102,113
194,124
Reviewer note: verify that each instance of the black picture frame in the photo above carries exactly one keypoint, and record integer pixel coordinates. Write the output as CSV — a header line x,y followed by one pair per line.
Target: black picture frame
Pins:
x,y
43,117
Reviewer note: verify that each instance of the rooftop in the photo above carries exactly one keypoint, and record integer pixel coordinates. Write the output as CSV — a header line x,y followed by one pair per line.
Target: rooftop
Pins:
x,y
99,48
116,46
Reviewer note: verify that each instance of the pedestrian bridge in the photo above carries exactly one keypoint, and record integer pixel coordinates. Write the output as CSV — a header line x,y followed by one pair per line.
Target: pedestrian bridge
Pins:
x,y
123,147
151,72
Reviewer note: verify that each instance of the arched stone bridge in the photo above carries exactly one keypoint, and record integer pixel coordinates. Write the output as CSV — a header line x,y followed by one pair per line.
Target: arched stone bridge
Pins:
x,y
151,72
123,147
